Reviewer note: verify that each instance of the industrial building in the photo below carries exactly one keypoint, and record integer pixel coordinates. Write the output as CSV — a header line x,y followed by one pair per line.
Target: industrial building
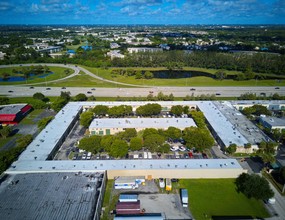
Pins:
x,y
107,126
273,122
52,196
13,114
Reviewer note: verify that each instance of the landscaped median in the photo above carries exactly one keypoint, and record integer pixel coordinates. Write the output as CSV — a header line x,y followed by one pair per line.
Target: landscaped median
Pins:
x,y
218,197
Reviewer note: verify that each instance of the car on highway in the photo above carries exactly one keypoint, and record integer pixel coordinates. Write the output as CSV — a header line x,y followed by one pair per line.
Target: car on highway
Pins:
x,y
89,92
63,87
192,89
218,93
31,87
10,91
93,89
48,88
277,88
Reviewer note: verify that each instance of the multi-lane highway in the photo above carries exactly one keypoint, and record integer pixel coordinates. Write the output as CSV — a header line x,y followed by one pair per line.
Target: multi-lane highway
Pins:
x,y
29,90
26,91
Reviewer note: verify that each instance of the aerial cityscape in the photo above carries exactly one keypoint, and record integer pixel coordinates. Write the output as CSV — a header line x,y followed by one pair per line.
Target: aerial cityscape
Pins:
x,y
142,109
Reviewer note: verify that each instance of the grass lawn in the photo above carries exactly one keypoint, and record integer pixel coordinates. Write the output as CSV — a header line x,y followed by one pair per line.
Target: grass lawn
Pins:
x,y
28,120
218,197
110,200
15,100
195,81
82,80
58,72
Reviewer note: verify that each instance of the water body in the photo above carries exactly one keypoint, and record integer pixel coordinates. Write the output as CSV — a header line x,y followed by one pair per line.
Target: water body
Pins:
x,y
21,78
169,74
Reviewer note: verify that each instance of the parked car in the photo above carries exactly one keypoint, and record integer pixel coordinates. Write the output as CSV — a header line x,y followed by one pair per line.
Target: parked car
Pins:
x,y
161,183
204,155
174,180
181,148
190,154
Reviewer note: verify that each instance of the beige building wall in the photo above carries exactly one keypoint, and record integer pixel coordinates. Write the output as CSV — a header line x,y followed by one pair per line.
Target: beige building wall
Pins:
x,y
179,173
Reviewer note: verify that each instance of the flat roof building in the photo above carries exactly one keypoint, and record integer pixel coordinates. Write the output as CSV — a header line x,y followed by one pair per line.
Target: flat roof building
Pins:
x,y
273,122
107,126
13,114
52,196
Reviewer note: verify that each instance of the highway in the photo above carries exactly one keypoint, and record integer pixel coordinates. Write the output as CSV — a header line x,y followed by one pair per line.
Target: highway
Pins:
x,y
27,90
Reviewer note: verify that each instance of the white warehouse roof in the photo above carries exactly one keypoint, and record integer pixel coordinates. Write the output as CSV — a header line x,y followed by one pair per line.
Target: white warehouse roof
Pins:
x,y
142,123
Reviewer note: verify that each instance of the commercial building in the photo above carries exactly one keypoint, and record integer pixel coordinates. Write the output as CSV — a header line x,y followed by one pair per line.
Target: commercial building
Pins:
x,y
107,126
143,49
273,122
66,195
13,114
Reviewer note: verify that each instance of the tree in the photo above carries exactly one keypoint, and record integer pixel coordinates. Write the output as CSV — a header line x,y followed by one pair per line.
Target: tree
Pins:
x,y
119,148
136,143
58,104
4,100
221,74
86,118
199,118
39,96
100,110
65,96
5,131
24,141
149,109
153,142
254,186
128,134
231,149
80,97
199,138
38,104
91,144
267,151
165,148
138,75
106,142
282,175
176,110
148,75
44,122
173,133
149,131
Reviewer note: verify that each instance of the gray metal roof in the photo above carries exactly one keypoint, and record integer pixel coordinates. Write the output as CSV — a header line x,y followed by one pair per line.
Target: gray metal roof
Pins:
x,y
39,150
45,142
274,121
11,109
142,123
223,127
50,196
241,124
101,165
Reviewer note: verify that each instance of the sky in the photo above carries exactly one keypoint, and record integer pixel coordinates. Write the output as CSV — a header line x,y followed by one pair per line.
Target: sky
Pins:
x,y
142,12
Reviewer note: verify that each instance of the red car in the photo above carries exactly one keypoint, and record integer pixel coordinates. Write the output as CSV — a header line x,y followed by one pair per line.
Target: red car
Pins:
x,y
190,154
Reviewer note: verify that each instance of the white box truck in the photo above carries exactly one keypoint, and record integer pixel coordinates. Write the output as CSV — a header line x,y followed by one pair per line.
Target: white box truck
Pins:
x,y
184,197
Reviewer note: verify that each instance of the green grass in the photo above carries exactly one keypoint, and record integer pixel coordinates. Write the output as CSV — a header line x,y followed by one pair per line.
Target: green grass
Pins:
x,y
82,80
110,200
218,197
15,100
58,72
28,120
195,81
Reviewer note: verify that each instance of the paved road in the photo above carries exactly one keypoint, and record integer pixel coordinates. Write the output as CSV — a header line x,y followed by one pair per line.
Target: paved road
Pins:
x,y
22,91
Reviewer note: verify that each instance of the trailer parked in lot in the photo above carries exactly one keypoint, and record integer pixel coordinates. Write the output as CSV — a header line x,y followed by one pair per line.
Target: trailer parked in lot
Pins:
x,y
184,197
128,198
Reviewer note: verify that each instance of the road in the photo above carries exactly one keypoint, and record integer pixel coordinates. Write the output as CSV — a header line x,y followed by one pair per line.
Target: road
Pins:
x,y
24,90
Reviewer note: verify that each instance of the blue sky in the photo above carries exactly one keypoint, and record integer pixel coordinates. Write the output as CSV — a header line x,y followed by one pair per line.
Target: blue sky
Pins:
x,y
142,12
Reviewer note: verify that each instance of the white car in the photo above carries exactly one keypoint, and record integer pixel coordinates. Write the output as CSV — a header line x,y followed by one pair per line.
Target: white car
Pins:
x,y
181,148
161,183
